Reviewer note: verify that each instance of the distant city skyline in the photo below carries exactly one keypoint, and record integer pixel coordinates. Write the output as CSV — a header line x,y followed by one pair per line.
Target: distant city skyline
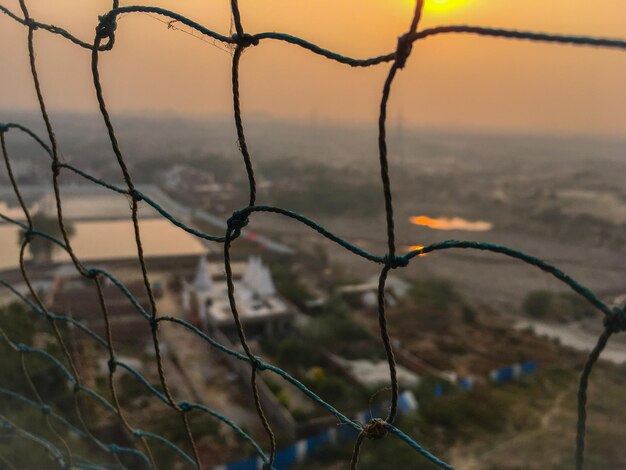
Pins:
x,y
455,81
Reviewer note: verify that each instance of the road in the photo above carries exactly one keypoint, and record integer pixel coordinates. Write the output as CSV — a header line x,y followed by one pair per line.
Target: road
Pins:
x,y
575,336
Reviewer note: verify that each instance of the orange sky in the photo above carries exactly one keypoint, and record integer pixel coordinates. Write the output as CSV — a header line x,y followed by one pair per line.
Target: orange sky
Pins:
x,y
456,81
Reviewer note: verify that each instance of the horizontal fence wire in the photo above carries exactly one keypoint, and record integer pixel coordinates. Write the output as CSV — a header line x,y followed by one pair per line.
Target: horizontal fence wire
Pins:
x,y
142,441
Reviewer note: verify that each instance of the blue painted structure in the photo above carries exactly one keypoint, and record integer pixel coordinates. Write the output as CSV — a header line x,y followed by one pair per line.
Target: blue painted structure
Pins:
x,y
298,451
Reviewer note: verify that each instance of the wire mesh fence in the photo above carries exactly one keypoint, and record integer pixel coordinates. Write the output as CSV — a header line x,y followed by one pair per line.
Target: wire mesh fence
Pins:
x,y
81,396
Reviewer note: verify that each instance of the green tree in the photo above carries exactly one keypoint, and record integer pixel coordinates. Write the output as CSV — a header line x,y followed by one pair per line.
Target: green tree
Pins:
x,y
40,247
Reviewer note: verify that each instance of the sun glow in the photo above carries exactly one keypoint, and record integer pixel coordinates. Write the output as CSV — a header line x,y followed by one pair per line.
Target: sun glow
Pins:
x,y
443,6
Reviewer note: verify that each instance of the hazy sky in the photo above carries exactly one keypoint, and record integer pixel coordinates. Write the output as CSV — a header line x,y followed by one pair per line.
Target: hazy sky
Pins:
x,y
456,81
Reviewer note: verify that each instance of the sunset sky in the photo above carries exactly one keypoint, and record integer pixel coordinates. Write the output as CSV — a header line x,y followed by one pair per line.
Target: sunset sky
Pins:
x,y
457,81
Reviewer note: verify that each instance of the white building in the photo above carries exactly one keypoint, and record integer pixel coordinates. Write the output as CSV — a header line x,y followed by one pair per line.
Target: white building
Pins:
x,y
366,294
261,310
375,374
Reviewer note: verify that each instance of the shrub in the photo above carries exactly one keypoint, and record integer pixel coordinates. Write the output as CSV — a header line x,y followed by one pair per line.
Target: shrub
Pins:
x,y
538,303
289,285
464,414
437,294
469,314
297,352
556,306
283,398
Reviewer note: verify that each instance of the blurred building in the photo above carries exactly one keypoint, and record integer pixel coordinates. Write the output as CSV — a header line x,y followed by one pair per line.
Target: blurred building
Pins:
x,y
366,294
373,374
261,310
72,295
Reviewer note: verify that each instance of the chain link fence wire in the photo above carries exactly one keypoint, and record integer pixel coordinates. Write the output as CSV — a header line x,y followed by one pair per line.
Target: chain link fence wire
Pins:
x,y
61,450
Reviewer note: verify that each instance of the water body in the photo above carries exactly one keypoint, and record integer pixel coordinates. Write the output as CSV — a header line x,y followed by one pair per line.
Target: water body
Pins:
x,y
110,239
103,227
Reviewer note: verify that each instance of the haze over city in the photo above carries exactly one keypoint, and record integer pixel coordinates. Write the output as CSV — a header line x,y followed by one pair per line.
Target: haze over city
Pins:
x,y
452,81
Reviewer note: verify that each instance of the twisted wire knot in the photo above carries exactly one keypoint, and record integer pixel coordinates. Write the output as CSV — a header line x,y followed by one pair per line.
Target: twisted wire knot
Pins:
x,y
616,322
4,127
29,235
258,363
92,273
154,322
395,262
245,40
32,24
114,448
236,222
45,409
77,388
375,429
184,406
112,365
403,50
136,195
56,167
107,26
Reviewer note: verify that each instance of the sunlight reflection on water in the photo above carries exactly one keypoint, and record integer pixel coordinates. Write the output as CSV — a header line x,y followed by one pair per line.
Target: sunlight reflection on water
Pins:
x,y
451,223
